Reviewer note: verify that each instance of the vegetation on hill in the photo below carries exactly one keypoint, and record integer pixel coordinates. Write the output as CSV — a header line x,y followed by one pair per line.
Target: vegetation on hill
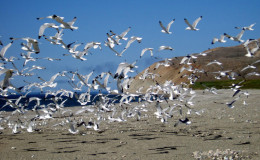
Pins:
x,y
226,84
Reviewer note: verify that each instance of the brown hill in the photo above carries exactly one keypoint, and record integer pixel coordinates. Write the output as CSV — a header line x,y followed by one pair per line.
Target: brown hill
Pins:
x,y
233,60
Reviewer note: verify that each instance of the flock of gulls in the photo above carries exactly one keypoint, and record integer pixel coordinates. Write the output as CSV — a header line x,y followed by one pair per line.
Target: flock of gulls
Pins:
x,y
168,98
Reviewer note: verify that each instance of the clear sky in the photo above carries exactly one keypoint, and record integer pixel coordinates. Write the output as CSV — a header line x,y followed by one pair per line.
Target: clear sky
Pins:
x,y
97,17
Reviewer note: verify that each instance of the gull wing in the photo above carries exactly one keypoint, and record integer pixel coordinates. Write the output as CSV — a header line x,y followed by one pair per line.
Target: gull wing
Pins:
x,y
4,49
188,23
123,34
164,29
196,22
239,36
169,25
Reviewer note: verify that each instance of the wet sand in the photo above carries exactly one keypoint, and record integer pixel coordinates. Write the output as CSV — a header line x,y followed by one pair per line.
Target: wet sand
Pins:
x,y
218,132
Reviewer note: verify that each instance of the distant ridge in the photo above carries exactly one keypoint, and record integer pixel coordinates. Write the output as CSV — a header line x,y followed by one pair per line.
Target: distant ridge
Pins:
x,y
233,59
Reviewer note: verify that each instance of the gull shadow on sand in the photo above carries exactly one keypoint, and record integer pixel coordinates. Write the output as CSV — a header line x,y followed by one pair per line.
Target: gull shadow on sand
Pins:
x,y
244,143
96,154
217,137
34,150
66,151
163,150
143,136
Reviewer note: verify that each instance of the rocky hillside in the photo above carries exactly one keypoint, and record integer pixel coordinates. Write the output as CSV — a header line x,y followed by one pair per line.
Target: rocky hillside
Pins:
x,y
232,60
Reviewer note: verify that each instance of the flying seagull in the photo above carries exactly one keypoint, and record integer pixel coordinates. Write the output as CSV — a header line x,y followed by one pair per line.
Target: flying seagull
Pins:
x,y
221,39
30,43
146,49
165,48
44,26
63,24
236,38
193,26
167,29
122,35
250,28
4,49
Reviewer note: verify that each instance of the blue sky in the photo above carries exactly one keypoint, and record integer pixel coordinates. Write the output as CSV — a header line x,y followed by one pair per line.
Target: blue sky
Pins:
x,y
96,18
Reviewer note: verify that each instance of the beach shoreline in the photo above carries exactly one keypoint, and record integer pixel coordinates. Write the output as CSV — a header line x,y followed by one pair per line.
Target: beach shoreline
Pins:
x,y
218,131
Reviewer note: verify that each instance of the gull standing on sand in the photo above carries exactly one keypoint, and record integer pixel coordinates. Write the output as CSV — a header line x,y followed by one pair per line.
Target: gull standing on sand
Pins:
x,y
167,29
193,26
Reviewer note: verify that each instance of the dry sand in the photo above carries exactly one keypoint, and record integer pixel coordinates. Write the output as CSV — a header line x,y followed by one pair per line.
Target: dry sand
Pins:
x,y
219,132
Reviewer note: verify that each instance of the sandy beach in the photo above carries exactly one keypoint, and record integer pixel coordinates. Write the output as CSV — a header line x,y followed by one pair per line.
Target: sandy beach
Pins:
x,y
218,132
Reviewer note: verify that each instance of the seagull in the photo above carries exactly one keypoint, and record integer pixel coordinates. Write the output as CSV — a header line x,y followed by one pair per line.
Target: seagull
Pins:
x,y
221,40
52,59
104,85
20,73
50,82
248,67
72,127
184,59
214,62
94,45
123,68
44,26
147,49
30,126
112,39
185,121
236,92
165,48
27,57
167,29
251,51
230,105
30,43
250,28
193,26
3,50
56,39
122,35
132,39
252,74
69,25
85,79
65,25
236,38
36,67
6,82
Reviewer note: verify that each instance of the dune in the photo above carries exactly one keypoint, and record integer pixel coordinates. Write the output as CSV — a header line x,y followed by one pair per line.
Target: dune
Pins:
x,y
232,59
